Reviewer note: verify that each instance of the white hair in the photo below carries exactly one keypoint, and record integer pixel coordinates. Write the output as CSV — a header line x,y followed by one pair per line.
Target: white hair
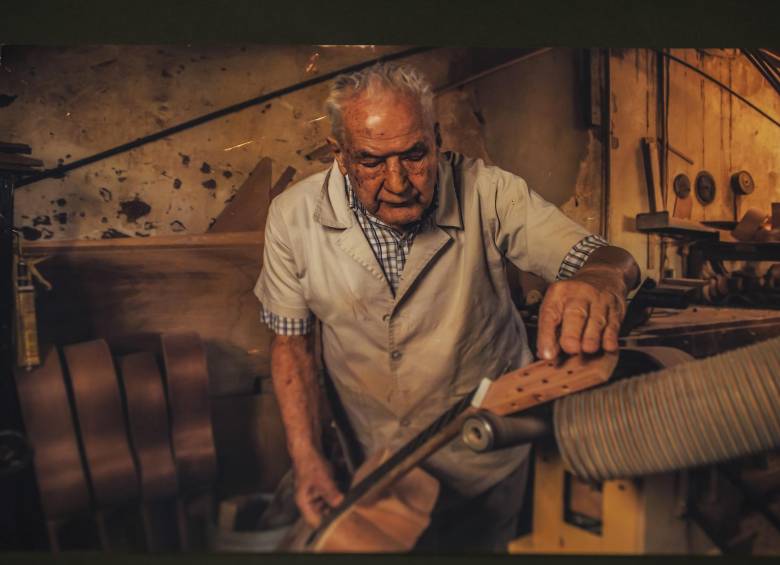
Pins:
x,y
400,78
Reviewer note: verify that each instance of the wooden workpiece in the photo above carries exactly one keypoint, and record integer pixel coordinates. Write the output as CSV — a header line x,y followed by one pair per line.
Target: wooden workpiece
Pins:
x,y
705,330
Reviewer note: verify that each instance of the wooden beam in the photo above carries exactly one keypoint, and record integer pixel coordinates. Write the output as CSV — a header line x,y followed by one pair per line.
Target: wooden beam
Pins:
x,y
209,240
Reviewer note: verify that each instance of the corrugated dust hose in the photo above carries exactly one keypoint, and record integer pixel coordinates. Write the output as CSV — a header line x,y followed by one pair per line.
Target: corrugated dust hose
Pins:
x,y
697,413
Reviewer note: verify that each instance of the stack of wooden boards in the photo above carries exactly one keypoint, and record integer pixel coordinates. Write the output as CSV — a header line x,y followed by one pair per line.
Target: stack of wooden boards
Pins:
x,y
12,158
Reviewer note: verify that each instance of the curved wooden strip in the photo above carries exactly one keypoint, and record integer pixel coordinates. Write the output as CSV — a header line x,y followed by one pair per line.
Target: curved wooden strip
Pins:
x,y
147,417
391,522
48,423
190,411
110,465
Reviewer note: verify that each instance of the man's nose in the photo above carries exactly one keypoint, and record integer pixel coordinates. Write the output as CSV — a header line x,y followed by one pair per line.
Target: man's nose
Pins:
x,y
396,180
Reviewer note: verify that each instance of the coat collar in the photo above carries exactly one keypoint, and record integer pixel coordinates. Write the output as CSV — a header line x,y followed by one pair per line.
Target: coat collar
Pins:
x,y
333,209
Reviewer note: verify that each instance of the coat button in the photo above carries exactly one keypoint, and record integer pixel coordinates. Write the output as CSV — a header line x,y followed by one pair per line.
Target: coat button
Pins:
x,y
405,422
386,317
396,355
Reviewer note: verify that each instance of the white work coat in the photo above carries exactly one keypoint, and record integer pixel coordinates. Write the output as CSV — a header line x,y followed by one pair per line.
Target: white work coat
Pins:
x,y
400,361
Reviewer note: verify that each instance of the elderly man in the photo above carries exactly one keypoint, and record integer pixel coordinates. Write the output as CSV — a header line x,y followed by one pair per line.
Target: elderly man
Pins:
x,y
400,251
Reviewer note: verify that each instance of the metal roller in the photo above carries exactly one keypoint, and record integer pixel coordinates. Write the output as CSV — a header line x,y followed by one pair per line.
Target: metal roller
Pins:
x,y
487,432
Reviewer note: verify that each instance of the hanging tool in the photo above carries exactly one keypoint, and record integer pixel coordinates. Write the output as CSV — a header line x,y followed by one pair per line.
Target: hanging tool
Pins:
x,y
742,183
705,187
27,351
683,203
650,158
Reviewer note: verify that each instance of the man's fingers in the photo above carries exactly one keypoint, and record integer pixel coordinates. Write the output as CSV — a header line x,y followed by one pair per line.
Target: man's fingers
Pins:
x,y
574,316
611,332
316,499
587,318
332,496
310,511
549,320
597,322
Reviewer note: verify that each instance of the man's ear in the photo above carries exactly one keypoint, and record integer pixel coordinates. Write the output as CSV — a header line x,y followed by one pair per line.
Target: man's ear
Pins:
x,y
437,134
338,154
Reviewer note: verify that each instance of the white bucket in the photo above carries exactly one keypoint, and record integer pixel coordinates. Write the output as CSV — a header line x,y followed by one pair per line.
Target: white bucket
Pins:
x,y
260,541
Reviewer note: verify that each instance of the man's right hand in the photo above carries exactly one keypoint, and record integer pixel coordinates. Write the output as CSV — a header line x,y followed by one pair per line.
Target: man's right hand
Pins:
x,y
315,490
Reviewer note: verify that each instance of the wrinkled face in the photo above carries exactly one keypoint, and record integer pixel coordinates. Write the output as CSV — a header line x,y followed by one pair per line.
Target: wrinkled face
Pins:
x,y
390,156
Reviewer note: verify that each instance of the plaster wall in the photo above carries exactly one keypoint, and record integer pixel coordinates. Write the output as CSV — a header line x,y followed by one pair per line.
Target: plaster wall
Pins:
x,y
74,102
69,103
534,127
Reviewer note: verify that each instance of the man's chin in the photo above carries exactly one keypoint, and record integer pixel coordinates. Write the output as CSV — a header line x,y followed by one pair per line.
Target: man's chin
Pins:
x,y
401,216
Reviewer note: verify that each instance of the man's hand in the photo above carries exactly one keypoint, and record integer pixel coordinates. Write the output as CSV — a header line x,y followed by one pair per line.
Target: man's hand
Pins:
x,y
585,311
297,390
315,491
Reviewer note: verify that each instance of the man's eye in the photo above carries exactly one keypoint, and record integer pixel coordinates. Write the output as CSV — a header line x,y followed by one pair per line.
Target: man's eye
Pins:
x,y
371,164
416,156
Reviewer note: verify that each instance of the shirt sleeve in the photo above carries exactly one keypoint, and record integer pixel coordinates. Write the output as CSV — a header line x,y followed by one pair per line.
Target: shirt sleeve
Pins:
x,y
532,233
287,326
579,255
279,286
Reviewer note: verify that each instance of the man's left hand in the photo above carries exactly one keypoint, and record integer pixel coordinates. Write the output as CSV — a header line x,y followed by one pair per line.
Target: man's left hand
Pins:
x,y
582,314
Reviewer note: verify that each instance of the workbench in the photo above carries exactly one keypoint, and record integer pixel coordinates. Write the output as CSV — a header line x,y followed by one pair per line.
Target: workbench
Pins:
x,y
653,514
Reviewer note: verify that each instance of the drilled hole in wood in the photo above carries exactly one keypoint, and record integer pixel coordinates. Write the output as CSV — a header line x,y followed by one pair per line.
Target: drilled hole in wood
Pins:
x,y
569,372
538,397
565,387
550,363
545,381
519,389
526,374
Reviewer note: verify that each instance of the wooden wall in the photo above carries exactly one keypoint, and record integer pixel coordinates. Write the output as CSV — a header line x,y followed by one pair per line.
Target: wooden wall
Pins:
x,y
718,132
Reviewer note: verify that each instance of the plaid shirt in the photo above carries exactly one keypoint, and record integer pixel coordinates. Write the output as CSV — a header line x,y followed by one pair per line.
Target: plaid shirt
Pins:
x,y
391,248
578,255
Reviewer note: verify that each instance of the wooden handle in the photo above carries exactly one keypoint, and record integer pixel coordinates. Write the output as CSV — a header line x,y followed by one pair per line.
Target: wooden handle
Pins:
x,y
27,353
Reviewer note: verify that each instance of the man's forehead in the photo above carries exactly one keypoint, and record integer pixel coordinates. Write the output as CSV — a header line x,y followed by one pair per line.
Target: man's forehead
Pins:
x,y
383,114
